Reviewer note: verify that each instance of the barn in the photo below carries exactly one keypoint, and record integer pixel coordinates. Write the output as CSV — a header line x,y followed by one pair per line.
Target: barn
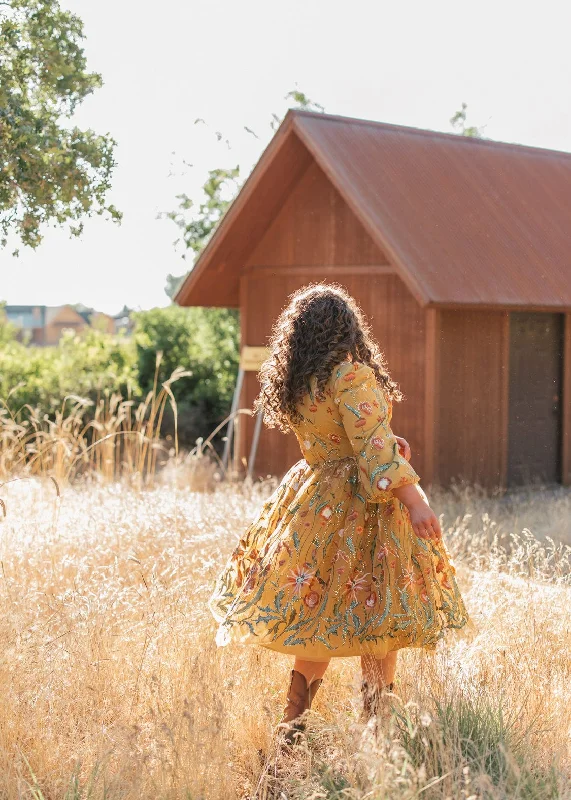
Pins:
x,y
459,252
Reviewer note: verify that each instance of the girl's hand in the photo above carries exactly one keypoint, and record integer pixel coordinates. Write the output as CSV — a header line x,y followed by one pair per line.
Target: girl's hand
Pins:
x,y
404,447
424,521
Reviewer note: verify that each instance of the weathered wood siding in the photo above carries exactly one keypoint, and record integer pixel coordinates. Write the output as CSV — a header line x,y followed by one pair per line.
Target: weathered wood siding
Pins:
x,y
470,402
566,415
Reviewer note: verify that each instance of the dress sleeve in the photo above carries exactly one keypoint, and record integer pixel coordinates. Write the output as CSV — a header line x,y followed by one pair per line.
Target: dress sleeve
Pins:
x,y
365,414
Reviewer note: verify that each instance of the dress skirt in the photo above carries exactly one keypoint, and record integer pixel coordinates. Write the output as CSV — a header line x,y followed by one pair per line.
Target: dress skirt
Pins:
x,y
325,572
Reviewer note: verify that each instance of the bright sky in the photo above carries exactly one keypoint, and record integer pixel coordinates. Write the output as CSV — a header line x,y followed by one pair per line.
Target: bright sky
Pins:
x,y
231,63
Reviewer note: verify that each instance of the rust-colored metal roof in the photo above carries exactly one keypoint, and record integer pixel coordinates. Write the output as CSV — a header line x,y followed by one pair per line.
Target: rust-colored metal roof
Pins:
x,y
465,222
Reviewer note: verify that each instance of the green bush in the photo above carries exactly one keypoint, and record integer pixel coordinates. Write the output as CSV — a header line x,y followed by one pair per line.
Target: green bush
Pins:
x,y
93,363
85,365
202,340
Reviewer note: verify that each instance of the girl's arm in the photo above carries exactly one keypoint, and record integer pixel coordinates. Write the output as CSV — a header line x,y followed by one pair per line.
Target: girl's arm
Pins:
x,y
365,415
384,471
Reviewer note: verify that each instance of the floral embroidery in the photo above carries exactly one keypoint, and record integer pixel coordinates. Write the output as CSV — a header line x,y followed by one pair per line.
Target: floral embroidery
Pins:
x,y
298,578
331,566
356,584
311,599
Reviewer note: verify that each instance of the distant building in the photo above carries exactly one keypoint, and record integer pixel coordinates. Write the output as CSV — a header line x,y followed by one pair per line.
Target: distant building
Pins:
x,y
124,320
96,319
44,325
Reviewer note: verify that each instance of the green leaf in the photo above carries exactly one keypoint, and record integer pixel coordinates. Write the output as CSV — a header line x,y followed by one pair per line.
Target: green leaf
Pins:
x,y
352,410
380,468
52,172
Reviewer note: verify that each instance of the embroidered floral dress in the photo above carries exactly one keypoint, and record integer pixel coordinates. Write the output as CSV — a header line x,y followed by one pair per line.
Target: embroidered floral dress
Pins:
x,y
331,566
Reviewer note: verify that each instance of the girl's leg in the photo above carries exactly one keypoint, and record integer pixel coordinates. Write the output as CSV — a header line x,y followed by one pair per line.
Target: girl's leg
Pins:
x,y
378,676
311,670
305,681
379,672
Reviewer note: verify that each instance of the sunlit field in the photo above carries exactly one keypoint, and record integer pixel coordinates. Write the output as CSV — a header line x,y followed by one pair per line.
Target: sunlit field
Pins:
x,y
112,686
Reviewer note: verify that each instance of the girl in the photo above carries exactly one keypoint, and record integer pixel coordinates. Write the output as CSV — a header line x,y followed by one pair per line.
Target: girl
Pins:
x,y
346,557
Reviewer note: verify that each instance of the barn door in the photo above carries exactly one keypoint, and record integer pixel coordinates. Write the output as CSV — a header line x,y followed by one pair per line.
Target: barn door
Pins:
x,y
534,430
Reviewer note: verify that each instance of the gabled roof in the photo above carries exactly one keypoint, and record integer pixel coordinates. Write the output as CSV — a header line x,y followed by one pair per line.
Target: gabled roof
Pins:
x,y
465,222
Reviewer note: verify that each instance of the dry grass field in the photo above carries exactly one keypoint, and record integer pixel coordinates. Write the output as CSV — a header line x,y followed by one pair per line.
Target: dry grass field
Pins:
x,y
112,687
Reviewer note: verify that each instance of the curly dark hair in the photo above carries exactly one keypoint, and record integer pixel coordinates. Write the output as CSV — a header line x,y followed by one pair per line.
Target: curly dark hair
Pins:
x,y
321,325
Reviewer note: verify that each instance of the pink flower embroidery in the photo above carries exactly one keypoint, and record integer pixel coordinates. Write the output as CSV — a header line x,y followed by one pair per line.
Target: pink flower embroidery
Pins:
x,y
298,578
365,407
377,442
383,552
334,438
408,578
371,600
311,599
358,583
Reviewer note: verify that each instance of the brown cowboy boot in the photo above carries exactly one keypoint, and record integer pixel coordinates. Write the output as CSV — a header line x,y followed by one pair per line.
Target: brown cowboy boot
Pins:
x,y
299,699
372,698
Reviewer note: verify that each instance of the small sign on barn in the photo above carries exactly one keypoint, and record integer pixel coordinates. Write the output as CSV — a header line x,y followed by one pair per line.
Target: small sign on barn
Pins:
x,y
457,249
252,358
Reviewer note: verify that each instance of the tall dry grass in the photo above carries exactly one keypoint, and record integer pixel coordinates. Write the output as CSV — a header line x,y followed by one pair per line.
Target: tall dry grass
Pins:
x,y
111,438
111,685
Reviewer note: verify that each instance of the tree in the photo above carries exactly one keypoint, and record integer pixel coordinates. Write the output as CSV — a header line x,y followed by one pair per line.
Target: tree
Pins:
x,y
458,122
203,341
198,223
197,229
51,173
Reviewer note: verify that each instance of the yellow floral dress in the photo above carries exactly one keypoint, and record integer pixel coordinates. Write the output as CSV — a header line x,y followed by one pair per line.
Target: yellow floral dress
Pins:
x,y
331,566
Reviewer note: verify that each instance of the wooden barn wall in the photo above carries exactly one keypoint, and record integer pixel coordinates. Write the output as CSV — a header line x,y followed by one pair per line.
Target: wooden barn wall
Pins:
x,y
315,227
398,324
566,444
471,368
